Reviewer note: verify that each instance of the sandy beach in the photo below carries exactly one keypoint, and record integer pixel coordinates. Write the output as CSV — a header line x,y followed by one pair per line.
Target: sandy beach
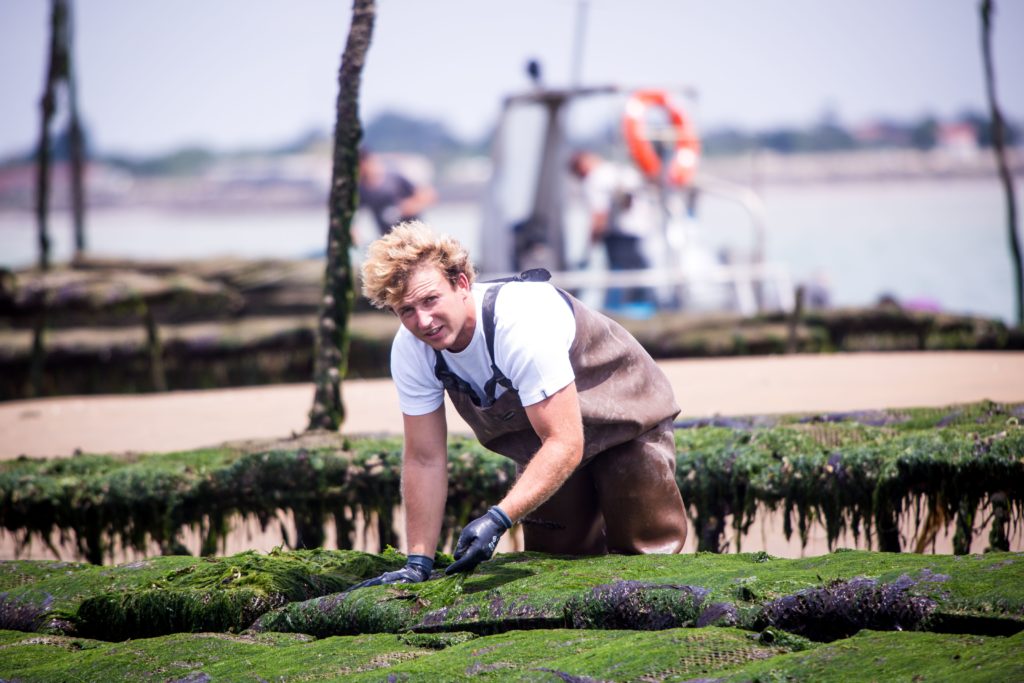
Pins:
x,y
704,387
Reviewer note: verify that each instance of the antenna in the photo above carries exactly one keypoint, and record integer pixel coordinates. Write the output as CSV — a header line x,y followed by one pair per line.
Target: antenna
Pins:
x,y
581,29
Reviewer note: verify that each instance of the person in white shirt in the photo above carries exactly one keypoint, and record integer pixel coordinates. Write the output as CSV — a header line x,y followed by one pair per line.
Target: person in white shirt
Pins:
x,y
622,215
564,391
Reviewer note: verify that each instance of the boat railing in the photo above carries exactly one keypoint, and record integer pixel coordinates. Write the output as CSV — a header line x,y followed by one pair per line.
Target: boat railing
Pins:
x,y
757,287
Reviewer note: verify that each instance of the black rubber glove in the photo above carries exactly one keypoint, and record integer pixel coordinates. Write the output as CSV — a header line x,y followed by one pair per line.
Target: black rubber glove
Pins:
x,y
478,540
417,569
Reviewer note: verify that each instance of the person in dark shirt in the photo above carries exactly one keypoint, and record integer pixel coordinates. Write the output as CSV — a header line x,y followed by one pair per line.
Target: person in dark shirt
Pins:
x,y
391,197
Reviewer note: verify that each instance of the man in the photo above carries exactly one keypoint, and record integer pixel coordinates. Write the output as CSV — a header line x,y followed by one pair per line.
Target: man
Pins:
x,y
390,196
622,214
540,378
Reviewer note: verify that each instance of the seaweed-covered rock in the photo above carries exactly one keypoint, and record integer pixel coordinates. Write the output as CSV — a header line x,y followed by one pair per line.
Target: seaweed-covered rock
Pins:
x,y
361,611
556,656
636,605
522,616
173,594
199,657
843,608
893,656
937,467
100,500
822,597
853,475
544,655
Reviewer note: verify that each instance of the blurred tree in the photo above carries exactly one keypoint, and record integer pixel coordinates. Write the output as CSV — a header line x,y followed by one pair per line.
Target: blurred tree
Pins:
x,y
186,161
924,134
60,72
998,141
392,131
332,335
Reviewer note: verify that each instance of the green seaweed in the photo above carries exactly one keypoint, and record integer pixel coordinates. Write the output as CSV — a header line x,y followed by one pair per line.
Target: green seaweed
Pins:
x,y
199,657
851,590
857,477
559,655
894,656
865,473
527,616
719,654
168,594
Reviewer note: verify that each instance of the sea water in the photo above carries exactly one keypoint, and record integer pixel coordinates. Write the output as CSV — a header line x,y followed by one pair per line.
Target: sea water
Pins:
x,y
938,243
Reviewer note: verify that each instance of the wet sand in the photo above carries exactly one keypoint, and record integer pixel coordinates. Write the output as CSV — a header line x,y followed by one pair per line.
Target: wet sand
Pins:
x,y
704,387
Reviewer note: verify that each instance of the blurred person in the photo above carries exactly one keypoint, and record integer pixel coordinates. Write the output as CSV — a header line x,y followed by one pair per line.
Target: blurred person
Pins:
x,y
389,195
542,379
621,216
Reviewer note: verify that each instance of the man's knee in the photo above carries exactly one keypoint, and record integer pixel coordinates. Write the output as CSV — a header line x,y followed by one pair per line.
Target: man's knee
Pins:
x,y
637,488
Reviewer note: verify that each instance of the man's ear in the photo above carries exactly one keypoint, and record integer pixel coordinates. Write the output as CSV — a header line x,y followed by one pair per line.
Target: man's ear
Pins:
x,y
462,282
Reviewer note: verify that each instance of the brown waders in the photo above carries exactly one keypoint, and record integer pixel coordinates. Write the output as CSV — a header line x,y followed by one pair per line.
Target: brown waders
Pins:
x,y
623,498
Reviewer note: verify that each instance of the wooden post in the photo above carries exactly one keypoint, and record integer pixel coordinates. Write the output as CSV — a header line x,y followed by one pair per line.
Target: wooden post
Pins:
x,y
792,343
75,142
999,144
156,350
332,333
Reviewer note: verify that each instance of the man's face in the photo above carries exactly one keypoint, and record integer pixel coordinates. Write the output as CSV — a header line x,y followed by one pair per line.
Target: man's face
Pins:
x,y
440,314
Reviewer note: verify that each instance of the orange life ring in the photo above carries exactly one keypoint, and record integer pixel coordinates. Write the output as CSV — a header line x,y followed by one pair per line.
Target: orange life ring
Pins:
x,y
686,152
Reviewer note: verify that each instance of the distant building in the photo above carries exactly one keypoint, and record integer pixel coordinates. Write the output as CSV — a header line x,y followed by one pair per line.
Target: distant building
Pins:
x,y
104,184
959,139
881,134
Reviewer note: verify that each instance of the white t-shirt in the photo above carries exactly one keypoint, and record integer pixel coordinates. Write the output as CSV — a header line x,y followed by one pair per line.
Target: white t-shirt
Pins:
x,y
534,329
609,182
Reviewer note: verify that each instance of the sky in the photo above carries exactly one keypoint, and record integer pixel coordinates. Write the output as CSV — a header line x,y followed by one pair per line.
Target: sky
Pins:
x,y
154,76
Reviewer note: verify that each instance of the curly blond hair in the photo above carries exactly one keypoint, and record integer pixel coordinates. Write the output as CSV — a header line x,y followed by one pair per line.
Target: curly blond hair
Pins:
x,y
391,259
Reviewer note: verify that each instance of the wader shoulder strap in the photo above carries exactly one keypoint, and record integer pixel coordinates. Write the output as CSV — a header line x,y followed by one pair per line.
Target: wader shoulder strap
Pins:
x,y
531,275
497,376
453,382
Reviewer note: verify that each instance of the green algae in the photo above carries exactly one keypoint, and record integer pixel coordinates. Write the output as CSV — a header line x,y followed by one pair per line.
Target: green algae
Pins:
x,y
857,472
850,590
656,617
199,657
382,609
535,655
897,657
559,655
100,501
720,654
172,593
638,606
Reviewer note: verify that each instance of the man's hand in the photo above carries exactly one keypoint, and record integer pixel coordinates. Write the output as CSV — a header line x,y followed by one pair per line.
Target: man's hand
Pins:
x,y
478,540
416,570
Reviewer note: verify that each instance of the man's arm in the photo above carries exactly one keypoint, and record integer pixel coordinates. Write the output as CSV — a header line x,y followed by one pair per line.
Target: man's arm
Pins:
x,y
559,424
424,479
421,198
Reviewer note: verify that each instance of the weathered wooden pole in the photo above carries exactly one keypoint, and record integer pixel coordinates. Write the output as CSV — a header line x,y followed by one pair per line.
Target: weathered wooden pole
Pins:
x,y
332,334
75,142
55,72
999,145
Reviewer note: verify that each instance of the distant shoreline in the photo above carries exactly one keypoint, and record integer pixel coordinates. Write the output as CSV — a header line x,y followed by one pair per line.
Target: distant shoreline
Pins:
x,y
110,188
773,168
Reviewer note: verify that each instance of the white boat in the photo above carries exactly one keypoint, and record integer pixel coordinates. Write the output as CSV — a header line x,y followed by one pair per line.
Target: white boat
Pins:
x,y
532,218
